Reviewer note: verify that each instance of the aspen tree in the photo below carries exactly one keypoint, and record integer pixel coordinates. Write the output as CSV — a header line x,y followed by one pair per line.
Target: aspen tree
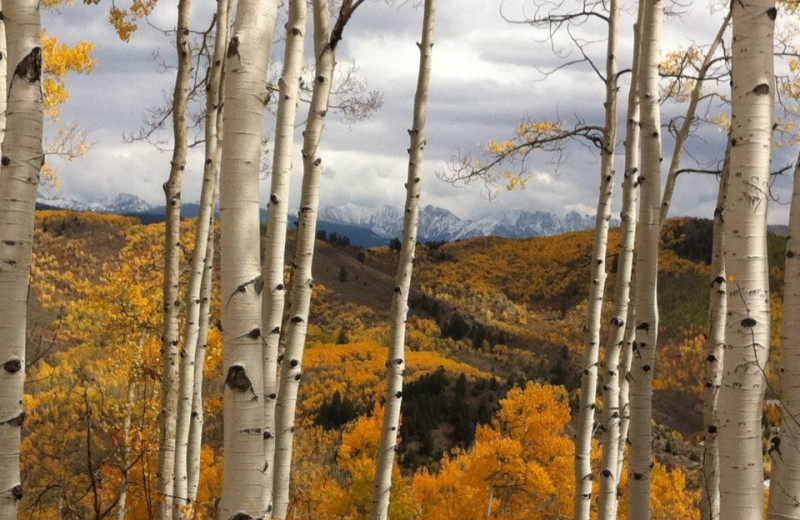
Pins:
x,y
198,266
213,132
609,476
685,129
172,240
325,42
22,159
241,282
784,484
745,255
275,241
646,307
395,364
591,353
196,430
715,349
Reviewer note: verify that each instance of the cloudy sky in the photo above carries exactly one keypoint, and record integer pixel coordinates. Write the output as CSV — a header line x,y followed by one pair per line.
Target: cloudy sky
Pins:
x,y
488,74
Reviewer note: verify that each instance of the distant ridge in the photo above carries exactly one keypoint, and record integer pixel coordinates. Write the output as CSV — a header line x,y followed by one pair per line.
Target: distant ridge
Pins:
x,y
367,226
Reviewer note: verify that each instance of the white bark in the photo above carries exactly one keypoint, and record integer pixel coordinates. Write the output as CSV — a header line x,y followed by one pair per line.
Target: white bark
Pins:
x,y
784,496
745,254
715,349
588,397
325,42
646,307
168,485
624,382
241,282
609,475
198,266
275,243
396,364
22,159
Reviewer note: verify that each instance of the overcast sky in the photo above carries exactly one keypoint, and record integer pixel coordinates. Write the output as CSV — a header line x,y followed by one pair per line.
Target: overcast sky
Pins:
x,y
487,75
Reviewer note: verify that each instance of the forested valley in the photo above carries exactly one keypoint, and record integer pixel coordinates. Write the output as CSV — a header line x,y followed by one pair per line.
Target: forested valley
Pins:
x,y
243,364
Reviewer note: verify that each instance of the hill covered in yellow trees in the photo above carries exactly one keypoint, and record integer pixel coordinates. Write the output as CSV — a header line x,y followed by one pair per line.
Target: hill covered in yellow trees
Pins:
x,y
495,329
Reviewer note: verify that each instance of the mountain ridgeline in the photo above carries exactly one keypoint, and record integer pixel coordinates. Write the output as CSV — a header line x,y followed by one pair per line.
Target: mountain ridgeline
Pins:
x,y
370,226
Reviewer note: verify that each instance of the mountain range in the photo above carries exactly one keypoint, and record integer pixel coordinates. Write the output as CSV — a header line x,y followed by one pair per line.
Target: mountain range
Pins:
x,y
371,226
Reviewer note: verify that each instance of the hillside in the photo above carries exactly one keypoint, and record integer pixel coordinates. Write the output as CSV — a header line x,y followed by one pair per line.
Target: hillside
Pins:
x,y
487,315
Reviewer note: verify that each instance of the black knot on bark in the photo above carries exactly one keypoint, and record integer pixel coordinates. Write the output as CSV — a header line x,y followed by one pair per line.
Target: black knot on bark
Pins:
x,y
237,379
297,319
646,368
12,366
761,90
17,492
748,323
254,334
293,363
30,68
789,254
242,516
607,473
711,429
397,290
398,394
273,395
617,322
637,476
275,330
398,361
273,198
5,161
267,435
719,280
643,326
279,287
233,50
297,377
711,358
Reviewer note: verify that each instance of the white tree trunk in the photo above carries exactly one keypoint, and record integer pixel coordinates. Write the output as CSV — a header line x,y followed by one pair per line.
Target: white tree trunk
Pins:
x,y
325,42
745,253
609,476
624,382
588,397
715,349
275,243
241,283
395,364
784,484
646,307
168,485
198,266
22,159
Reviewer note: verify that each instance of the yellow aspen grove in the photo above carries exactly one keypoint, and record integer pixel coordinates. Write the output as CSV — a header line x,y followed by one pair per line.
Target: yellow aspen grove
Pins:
x,y
644,301
612,369
325,42
395,364
747,337
22,159
241,283
275,242
172,237
597,283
